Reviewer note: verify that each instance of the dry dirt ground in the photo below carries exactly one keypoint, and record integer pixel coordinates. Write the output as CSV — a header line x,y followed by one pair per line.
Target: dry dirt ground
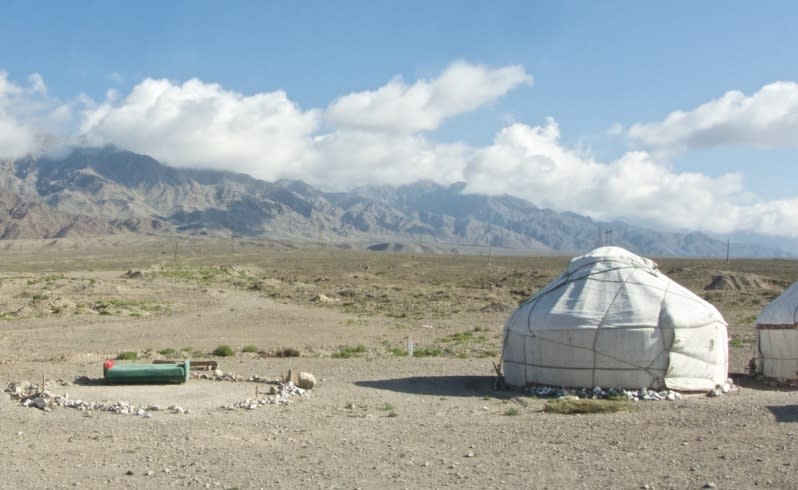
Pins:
x,y
377,417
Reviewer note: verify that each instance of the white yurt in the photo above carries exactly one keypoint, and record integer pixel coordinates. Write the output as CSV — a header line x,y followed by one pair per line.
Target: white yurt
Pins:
x,y
612,319
777,336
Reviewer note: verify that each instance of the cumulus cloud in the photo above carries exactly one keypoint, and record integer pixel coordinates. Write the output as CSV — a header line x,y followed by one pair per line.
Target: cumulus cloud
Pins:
x,y
352,157
198,124
29,118
422,106
530,162
380,137
768,117
372,137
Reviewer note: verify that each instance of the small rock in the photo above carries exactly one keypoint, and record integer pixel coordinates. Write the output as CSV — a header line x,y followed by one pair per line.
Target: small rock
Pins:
x,y
306,380
710,485
129,472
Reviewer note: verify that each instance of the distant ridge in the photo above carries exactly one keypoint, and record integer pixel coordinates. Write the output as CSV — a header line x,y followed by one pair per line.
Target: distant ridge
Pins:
x,y
97,191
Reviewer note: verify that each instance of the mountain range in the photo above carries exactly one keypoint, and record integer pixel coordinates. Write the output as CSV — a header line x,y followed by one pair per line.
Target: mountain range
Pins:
x,y
98,191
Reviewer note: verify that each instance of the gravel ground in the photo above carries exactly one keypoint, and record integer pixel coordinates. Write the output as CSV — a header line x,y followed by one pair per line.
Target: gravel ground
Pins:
x,y
371,422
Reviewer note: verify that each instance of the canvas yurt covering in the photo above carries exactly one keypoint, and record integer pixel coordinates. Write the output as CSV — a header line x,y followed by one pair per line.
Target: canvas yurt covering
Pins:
x,y
777,337
612,319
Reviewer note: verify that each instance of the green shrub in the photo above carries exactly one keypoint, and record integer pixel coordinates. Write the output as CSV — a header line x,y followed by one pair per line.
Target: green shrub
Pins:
x,y
249,348
427,352
348,351
128,356
223,350
586,406
167,352
398,352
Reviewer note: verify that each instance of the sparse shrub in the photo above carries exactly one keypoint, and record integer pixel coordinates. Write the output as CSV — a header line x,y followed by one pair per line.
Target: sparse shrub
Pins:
x,y
223,350
348,351
249,348
127,356
427,352
512,412
388,407
398,352
286,352
585,406
393,414
167,352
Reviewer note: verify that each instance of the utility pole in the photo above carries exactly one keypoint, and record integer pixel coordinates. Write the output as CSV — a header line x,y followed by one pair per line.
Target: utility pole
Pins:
x,y
728,246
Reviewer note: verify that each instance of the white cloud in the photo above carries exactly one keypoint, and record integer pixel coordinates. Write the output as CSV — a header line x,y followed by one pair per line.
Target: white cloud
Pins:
x,y
768,117
530,162
378,137
615,130
29,118
422,106
348,158
269,137
197,124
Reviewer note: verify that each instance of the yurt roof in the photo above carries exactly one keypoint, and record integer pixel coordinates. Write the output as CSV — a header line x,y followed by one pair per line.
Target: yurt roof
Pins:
x,y
782,310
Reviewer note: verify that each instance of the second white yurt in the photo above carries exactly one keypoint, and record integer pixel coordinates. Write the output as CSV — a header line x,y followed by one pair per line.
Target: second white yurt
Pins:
x,y
777,337
612,319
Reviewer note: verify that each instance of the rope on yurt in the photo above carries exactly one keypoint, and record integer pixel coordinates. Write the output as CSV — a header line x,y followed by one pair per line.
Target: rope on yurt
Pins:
x,y
604,317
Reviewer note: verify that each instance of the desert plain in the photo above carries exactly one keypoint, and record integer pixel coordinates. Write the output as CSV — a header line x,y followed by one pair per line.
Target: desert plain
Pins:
x,y
377,418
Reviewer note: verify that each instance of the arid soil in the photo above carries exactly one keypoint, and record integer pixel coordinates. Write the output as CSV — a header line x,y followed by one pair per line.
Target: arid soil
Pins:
x,y
377,418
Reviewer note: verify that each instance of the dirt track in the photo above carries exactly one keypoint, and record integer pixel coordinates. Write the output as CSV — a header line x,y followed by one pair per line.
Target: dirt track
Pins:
x,y
373,421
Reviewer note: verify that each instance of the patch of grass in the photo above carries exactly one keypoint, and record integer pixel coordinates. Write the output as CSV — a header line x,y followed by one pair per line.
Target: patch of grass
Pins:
x,y
249,348
127,356
223,350
569,407
392,414
459,337
126,307
388,407
398,352
348,351
168,352
512,412
427,352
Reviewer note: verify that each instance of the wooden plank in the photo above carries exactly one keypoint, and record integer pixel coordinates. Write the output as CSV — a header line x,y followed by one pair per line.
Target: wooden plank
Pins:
x,y
195,365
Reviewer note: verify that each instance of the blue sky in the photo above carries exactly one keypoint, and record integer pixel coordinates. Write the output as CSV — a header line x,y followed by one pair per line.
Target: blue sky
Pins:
x,y
590,66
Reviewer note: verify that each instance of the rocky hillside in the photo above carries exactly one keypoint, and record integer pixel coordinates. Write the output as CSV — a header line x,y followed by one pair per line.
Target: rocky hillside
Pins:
x,y
95,191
